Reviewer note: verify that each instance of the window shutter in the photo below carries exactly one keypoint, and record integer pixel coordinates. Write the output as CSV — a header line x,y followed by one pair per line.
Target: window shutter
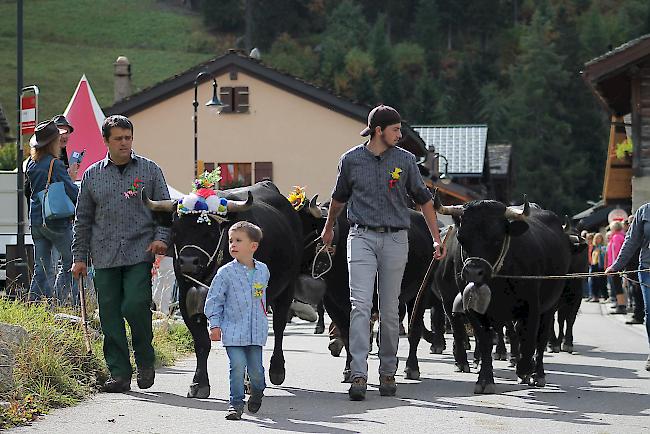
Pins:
x,y
226,97
209,167
241,99
263,171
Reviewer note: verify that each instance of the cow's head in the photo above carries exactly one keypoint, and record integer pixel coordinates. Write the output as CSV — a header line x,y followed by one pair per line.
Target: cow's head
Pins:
x,y
199,239
484,229
577,243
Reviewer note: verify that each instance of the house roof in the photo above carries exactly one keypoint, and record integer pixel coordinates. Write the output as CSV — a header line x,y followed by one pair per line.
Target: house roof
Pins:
x,y
608,75
499,156
462,145
234,61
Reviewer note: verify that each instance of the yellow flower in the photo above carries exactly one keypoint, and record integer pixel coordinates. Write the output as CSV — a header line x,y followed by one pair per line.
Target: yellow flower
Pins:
x,y
258,293
395,173
258,285
297,197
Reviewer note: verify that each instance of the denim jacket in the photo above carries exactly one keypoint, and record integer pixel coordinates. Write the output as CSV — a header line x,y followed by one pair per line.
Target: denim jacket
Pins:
x,y
37,175
237,305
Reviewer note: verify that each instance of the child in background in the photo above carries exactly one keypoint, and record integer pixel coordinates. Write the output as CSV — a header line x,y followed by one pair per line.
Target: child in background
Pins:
x,y
236,311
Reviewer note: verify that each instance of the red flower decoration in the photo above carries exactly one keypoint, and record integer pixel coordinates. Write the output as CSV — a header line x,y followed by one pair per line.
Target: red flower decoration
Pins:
x,y
392,183
205,192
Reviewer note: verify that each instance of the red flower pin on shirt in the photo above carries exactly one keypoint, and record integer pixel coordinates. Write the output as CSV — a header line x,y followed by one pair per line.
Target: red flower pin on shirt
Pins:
x,y
133,190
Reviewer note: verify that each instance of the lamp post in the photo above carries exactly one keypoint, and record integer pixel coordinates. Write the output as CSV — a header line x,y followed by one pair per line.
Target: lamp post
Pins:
x,y
214,103
444,177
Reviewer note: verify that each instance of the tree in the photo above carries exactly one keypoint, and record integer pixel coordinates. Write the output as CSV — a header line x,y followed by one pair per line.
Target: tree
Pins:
x,y
426,30
223,15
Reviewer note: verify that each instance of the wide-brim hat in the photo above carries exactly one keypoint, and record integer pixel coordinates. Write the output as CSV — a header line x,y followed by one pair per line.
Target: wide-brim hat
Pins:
x,y
62,121
44,133
381,116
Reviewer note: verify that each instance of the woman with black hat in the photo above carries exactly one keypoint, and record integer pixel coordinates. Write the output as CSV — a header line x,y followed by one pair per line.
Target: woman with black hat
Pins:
x,y
57,233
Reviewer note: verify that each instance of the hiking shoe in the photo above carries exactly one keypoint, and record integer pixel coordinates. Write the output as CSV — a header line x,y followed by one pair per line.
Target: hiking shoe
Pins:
x,y
387,386
117,385
255,402
146,377
357,389
234,413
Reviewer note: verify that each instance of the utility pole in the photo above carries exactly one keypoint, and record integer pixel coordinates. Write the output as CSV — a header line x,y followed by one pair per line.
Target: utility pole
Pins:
x,y
21,256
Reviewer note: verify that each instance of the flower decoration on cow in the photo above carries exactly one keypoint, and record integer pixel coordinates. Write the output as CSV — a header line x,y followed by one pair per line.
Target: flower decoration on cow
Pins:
x,y
203,199
297,197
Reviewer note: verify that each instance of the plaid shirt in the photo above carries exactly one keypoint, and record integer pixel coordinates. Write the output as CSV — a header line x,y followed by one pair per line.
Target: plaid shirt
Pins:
x,y
113,230
376,187
237,305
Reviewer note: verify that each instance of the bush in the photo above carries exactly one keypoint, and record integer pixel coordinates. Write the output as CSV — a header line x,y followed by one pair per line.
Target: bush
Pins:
x,y
8,156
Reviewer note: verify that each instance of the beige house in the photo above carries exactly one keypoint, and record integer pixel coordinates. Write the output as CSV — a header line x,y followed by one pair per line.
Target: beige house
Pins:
x,y
273,126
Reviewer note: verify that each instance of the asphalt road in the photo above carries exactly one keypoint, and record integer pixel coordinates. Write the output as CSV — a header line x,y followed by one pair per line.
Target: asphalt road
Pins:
x,y
601,388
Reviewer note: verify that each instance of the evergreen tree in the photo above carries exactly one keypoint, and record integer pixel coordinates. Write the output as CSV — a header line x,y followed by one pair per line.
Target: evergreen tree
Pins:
x,y
426,30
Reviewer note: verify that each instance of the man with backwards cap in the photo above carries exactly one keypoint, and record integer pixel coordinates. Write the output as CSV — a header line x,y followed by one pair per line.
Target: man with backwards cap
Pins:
x,y
374,179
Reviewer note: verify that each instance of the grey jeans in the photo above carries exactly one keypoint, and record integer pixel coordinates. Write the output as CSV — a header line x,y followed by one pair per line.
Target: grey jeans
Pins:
x,y
379,258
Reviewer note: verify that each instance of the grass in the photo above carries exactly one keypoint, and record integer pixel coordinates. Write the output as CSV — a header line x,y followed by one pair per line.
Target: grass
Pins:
x,y
52,367
65,39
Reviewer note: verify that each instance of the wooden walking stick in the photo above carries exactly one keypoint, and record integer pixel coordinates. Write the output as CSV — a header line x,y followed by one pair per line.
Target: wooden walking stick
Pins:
x,y
84,323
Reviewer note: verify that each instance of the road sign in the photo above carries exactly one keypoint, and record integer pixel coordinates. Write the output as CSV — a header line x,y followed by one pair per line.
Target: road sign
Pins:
x,y
28,114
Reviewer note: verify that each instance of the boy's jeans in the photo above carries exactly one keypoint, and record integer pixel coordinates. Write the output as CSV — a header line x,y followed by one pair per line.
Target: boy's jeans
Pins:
x,y
241,359
381,258
644,278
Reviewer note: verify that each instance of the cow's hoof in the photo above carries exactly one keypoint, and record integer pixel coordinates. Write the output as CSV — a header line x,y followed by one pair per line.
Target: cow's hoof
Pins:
x,y
277,378
512,363
477,362
198,391
412,374
468,346
500,356
347,376
538,381
567,348
484,388
463,368
526,379
320,329
436,349
335,346
555,348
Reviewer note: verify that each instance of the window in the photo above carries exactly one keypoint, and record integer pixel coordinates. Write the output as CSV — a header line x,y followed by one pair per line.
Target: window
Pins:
x,y
234,99
263,171
235,175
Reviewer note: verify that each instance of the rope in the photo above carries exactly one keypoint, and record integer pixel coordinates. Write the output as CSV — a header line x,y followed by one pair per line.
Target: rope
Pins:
x,y
573,275
313,264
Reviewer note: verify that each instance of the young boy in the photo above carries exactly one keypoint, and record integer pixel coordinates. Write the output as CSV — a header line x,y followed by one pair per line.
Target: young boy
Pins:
x,y
236,310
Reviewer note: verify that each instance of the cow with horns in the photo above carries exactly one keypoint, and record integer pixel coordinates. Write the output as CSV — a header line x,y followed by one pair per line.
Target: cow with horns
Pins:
x,y
200,247
489,241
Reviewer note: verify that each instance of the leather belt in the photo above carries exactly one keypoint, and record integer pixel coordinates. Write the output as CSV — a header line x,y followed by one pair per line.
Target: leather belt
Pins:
x,y
380,229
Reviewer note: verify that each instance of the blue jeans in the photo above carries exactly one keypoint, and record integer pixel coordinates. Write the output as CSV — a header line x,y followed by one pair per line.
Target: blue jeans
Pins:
x,y
242,359
46,282
644,278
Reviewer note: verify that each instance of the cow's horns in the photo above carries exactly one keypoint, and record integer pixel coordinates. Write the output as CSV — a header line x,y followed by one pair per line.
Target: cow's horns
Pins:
x,y
453,210
167,205
314,210
518,214
567,224
240,205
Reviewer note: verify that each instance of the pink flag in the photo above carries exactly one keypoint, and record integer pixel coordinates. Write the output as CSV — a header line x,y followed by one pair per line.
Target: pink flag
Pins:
x,y
85,115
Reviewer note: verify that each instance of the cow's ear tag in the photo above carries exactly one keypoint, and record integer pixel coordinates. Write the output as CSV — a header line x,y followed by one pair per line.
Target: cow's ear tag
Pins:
x,y
517,228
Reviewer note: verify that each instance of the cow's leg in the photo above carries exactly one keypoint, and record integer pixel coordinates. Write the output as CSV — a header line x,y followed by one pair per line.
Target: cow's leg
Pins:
x,y
460,338
437,341
514,343
339,312
482,333
528,328
198,327
320,324
500,353
280,309
402,314
545,324
553,340
567,343
416,325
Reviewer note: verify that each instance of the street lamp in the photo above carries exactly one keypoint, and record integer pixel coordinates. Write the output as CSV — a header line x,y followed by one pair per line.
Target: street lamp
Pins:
x,y
444,178
214,104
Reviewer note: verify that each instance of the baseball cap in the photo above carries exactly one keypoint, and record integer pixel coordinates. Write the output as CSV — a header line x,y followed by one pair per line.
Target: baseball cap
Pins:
x,y
381,116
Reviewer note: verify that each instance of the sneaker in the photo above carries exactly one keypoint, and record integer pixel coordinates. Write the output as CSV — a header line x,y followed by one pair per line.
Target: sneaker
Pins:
x,y
357,389
619,310
387,386
255,402
117,385
634,320
146,377
234,413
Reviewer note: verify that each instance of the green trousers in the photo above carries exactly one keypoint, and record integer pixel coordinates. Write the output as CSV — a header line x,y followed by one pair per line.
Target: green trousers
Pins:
x,y
125,292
